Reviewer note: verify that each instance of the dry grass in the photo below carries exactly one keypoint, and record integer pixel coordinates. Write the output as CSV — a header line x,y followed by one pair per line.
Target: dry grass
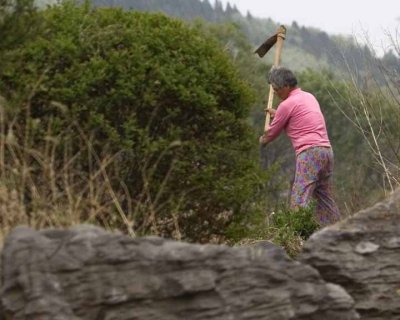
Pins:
x,y
372,106
42,183
51,181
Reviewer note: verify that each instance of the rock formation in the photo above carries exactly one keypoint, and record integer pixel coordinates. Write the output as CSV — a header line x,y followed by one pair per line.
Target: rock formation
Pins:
x,y
350,270
362,254
87,273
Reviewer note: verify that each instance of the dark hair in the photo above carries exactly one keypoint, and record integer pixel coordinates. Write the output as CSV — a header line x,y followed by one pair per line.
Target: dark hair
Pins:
x,y
280,77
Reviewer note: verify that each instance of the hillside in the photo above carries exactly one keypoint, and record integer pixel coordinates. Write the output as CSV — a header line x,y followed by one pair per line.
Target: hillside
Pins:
x,y
304,48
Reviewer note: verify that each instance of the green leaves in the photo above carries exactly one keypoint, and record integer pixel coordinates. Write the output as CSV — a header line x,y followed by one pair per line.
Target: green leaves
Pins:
x,y
301,222
157,96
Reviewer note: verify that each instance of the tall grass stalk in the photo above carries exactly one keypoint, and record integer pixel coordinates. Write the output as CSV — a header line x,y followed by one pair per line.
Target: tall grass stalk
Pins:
x,y
372,104
44,182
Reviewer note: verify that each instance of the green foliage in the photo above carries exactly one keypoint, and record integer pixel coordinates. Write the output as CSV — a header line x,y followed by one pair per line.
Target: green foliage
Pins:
x,y
285,227
250,67
185,9
300,222
18,22
161,99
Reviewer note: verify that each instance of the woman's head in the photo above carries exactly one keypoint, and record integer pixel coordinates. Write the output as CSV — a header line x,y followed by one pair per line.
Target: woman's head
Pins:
x,y
280,77
283,81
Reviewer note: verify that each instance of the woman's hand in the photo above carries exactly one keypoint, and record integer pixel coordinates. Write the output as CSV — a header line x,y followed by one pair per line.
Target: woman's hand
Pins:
x,y
263,139
271,111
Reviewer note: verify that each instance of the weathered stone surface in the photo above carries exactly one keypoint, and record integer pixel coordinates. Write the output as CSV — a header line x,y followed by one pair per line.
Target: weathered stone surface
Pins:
x,y
362,254
87,273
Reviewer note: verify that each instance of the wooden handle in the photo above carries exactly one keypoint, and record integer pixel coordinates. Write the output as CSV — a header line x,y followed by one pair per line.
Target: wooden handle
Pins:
x,y
281,34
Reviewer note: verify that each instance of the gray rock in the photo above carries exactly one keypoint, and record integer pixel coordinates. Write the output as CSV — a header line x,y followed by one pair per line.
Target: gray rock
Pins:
x,y
362,254
87,273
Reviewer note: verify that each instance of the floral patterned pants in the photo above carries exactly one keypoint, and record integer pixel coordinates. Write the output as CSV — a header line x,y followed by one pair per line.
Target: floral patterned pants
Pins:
x,y
313,179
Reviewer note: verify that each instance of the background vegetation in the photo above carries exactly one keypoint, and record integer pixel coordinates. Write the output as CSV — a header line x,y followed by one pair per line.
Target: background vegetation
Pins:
x,y
148,124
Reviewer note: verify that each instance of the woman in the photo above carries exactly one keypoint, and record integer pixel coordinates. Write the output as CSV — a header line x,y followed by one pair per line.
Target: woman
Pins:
x,y
300,116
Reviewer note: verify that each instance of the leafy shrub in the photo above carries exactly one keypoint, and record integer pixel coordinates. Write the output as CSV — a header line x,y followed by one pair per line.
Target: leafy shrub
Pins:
x,y
155,105
301,222
286,228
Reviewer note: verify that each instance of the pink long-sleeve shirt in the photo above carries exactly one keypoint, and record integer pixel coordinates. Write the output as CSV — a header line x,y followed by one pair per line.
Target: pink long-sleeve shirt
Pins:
x,y
301,117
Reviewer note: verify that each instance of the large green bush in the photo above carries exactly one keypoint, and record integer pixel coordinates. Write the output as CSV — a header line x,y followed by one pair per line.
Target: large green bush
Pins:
x,y
158,97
